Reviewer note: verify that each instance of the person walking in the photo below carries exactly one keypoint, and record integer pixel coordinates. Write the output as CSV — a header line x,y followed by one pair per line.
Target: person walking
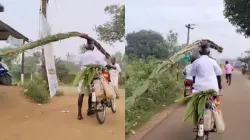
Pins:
x,y
229,70
114,75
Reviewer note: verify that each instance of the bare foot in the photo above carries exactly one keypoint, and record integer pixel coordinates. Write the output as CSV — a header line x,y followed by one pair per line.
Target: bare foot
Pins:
x,y
79,117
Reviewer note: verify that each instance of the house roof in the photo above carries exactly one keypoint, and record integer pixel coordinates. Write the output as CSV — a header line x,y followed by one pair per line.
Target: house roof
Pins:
x,y
6,31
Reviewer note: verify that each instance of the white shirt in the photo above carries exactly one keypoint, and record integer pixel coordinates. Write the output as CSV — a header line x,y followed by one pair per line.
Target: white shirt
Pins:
x,y
205,71
89,57
115,73
187,70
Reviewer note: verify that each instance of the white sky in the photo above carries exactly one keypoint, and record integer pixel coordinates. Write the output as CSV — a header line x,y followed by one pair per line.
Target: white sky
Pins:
x,y
165,15
64,16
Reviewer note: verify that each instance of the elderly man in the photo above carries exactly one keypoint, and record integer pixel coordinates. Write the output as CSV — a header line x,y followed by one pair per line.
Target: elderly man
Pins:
x,y
89,57
114,75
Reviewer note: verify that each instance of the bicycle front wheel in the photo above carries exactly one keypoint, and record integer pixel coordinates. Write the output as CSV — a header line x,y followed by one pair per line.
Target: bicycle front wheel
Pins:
x,y
100,112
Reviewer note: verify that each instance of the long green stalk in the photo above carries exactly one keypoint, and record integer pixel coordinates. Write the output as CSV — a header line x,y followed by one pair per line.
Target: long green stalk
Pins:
x,y
50,39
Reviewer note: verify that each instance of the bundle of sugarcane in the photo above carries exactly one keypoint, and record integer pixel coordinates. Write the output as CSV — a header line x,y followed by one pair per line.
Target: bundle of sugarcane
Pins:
x,y
195,105
164,67
88,74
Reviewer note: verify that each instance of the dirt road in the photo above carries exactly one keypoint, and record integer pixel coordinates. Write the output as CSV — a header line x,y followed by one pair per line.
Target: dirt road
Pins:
x,y
22,120
235,107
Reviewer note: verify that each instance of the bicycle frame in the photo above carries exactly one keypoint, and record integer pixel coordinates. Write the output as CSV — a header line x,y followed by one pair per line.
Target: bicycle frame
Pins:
x,y
210,104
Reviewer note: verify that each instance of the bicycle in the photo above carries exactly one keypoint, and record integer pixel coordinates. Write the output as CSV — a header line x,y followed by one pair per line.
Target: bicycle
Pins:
x,y
201,133
103,101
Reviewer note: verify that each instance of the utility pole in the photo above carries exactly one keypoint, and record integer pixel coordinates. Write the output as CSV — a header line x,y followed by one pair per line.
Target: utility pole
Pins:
x,y
44,11
189,26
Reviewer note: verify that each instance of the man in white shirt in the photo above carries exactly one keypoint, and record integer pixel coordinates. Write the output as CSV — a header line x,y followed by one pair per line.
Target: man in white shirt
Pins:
x,y
187,70
89,57
206,70
114,75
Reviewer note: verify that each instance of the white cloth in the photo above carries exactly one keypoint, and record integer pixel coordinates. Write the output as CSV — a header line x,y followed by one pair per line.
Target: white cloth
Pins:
x,y
89,57
187,70
114,74
205,71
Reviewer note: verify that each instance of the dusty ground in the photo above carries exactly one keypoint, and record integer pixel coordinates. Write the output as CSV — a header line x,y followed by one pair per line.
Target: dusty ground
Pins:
x,y
235,107
22,120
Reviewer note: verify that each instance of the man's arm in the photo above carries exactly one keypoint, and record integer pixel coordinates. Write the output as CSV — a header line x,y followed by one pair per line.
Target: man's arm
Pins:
x,y
218,73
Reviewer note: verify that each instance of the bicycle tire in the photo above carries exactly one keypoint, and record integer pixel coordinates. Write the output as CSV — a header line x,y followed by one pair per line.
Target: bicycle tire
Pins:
x,y
100,120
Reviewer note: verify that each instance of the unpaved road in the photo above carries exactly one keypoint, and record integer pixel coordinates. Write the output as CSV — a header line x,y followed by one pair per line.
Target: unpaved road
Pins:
x,y
235,104
22,120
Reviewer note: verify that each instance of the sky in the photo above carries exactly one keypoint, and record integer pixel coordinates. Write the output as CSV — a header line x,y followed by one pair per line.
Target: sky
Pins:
x,y
63,16
165,15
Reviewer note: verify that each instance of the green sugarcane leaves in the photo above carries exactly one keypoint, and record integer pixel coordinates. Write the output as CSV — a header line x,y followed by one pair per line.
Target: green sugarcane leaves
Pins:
x,y
196,104
88,74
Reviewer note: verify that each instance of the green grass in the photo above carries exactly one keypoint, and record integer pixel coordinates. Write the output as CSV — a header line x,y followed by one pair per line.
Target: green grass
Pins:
x,y
59,93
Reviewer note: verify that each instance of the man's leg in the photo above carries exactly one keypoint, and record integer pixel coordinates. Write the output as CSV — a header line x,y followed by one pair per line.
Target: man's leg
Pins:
x,y
90,106
115,84
227,78
80,100
230,78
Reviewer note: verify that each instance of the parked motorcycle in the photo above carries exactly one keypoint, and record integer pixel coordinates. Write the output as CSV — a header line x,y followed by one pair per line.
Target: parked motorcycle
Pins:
x,y
5,76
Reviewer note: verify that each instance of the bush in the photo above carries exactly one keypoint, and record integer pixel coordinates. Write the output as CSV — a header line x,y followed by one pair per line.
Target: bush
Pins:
x,y
37,90
69,78
59,93
161,93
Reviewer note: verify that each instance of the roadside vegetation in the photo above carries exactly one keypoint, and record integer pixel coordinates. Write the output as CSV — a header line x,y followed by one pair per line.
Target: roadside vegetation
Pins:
x,y
145,50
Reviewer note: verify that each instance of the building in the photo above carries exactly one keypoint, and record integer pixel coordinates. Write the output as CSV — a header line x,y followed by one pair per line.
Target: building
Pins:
x,y
72,58
1,8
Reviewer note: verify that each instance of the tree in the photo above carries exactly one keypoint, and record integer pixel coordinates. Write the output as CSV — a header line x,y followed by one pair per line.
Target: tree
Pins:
x,y
238,14
61,70
146,43
113,30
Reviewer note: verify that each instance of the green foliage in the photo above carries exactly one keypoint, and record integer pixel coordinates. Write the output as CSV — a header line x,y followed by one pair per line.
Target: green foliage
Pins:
x,y
162,91
245,59
113,30
237,12
146,43
88,74
36,90
195,105
59,93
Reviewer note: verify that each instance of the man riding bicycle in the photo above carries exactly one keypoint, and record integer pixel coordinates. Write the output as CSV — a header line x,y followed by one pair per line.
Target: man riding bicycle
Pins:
x,y
88,57
206,71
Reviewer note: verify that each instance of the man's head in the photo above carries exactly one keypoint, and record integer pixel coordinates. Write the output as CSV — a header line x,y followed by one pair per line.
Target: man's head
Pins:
x,y
113,60
90,45
204,48
226,62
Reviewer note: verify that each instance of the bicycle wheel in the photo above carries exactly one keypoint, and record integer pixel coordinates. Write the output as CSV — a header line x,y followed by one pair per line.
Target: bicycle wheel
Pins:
x,y
113,105
205,137
100,112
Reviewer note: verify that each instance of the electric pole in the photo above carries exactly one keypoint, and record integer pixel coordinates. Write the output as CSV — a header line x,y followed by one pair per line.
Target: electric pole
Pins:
x,y
189,26
44,11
